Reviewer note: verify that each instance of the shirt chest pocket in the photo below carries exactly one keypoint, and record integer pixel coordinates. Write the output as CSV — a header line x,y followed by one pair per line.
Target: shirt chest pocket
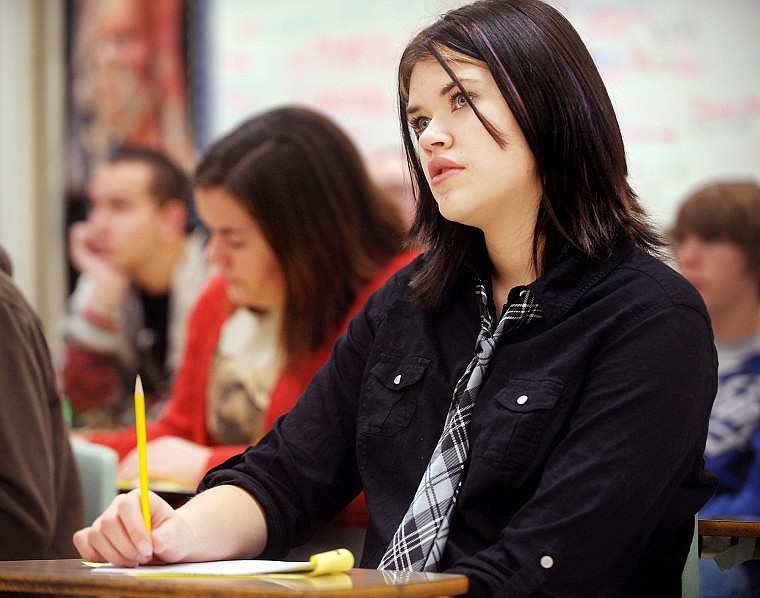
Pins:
x,y
515,429
390,394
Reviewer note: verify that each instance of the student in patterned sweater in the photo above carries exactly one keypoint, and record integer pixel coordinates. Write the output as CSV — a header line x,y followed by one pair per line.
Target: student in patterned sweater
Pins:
x,y
716,238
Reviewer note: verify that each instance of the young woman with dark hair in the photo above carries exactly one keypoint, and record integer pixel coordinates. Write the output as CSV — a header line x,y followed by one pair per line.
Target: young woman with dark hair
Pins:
x,y
303,181
300,237
560,104
527,402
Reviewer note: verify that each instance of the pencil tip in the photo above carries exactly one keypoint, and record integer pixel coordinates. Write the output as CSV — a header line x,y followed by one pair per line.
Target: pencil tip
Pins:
x,y
138,386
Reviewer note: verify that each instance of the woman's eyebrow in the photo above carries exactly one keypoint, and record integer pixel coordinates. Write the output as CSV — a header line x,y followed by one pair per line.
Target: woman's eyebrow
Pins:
x,y
229,231
444,91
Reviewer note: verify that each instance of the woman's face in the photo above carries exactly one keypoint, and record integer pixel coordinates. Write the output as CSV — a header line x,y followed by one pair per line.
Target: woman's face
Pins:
x,y
240,251
474,180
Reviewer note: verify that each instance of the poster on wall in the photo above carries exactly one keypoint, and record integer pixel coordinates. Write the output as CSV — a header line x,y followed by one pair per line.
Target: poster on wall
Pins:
x,y
127,85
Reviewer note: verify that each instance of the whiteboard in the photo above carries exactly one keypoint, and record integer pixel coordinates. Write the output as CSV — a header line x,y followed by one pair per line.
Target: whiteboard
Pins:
x,y
684,76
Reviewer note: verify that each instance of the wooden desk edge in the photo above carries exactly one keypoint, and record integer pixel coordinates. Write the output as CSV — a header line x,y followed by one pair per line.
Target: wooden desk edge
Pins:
x,y
716,526
68,576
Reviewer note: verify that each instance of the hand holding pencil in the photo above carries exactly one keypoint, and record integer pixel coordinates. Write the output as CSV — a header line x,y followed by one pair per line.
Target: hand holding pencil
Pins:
x,y
105,540
140,527
120,535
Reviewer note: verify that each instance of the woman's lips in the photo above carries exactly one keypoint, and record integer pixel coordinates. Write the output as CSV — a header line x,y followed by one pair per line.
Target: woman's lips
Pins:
x,y
442,169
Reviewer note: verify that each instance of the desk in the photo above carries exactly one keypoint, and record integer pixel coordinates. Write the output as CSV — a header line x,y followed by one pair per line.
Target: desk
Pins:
x,y
70,576
729,541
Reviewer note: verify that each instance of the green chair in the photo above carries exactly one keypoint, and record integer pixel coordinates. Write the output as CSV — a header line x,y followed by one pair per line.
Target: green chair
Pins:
x,y
97,474
690,575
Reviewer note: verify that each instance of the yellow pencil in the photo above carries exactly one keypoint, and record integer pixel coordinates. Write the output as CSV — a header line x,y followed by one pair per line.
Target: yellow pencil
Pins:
x,y
142,453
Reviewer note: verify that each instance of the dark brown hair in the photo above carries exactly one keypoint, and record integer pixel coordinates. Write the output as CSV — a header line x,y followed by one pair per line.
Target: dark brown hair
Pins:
x,y
723,211
168,181
552,87
303,181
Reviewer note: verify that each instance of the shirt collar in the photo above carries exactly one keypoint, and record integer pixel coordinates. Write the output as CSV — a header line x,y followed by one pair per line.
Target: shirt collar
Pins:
x,y
559,289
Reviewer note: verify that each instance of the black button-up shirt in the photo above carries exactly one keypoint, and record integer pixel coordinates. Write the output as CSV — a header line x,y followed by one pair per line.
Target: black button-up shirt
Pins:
x,y
585,467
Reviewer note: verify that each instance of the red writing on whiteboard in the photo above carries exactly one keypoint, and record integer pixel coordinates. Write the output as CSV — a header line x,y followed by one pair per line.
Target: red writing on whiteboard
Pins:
x,y
347,52
616,23
364,100
651,134
726,108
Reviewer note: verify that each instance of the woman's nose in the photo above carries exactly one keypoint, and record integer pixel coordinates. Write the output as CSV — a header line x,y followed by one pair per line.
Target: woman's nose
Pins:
x,y
435,136
211,252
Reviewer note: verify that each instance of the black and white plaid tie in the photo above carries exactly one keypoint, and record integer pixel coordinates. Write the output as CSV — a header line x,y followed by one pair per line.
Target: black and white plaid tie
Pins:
x,y
421,536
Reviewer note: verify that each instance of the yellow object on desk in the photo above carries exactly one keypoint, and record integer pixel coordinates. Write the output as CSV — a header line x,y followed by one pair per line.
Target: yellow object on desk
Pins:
x,y
142,450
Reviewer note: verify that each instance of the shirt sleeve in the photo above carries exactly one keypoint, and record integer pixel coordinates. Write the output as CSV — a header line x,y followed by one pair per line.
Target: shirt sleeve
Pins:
x,y
28,511
97,331
93,352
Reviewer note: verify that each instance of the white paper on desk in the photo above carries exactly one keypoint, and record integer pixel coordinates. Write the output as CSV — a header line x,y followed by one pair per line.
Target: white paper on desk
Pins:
x,y
322,563
236,567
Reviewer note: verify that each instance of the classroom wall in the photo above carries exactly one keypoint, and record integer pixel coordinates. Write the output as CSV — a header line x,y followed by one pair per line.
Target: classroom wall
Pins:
x,y
684,75
31,150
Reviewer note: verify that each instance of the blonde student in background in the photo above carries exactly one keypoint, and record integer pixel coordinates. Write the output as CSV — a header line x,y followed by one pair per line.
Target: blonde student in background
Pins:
x,y
527,402
716,243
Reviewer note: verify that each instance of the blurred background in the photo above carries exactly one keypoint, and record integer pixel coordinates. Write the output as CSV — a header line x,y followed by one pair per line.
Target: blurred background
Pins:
x,y
79,77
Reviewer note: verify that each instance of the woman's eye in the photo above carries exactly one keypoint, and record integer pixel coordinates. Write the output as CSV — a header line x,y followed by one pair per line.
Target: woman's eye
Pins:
x,y
419,124
235,243
460,100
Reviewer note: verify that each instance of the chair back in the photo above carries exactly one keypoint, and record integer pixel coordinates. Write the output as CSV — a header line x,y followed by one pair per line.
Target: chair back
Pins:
x,y
690,575
97,474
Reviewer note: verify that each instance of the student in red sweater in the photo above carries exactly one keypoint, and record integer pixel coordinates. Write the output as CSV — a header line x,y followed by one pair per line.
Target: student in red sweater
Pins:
x,y
300,238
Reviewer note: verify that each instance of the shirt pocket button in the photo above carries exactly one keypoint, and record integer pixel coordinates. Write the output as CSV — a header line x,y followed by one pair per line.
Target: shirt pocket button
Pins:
x,y
397,379
522,399
546,561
